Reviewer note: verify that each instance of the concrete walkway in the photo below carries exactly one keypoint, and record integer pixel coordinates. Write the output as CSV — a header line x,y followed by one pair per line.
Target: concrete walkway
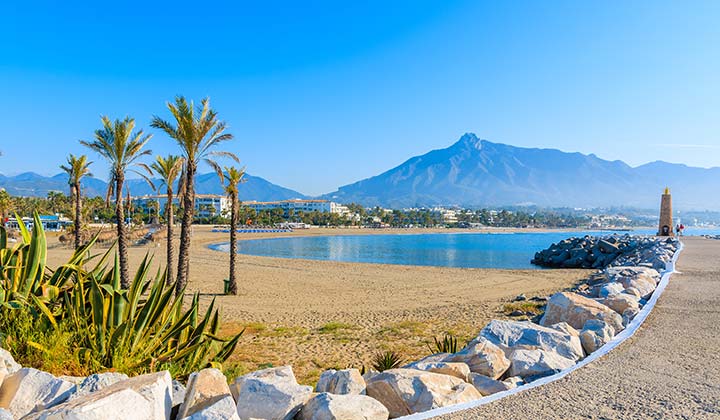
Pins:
x,y
669,369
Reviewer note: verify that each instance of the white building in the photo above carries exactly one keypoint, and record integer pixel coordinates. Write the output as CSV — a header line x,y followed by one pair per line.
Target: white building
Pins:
x,y
206,205
291,207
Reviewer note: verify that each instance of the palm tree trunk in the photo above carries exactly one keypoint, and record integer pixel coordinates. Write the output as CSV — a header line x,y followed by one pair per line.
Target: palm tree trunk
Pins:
x,y
186,225
232,289
76,187
122,234
169,220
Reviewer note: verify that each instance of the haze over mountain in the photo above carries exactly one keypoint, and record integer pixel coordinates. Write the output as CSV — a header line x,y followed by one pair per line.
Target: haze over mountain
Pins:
x,y
32,184
474,172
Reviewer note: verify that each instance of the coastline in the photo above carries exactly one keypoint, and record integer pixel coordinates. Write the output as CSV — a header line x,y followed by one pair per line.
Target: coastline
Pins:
x,y
316,315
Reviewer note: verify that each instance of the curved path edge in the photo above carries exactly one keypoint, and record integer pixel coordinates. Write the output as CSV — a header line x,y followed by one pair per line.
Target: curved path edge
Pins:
x,y
628,332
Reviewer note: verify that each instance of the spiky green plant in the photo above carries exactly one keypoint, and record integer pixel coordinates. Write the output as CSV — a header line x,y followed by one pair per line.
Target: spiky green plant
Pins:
x,y
448,344
139,329
385,360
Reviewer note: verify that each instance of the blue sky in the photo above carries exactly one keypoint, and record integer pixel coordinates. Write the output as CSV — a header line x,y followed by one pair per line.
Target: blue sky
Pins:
x,y
321,94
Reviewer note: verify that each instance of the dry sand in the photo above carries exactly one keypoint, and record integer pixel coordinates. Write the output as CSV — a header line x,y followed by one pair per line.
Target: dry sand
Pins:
x,y
316,315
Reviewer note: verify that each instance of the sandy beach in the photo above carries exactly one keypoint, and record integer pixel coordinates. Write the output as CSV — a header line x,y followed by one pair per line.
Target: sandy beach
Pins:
x,y
317,315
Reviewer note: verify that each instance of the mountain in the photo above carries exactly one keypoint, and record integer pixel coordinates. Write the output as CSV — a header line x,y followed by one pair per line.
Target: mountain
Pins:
x,y
32,184
474,172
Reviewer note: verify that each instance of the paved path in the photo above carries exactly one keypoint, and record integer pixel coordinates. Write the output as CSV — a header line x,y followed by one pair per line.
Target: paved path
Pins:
x,y
669,369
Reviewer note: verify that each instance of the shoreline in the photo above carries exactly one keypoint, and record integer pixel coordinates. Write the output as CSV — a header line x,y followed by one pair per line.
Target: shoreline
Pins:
x,y
316,315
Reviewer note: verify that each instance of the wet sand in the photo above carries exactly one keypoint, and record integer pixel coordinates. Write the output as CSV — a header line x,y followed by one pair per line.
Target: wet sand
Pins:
x,y
317,315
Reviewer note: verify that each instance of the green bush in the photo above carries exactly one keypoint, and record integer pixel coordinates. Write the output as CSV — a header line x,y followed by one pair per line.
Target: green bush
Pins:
x,y
449,344
82,316
387,360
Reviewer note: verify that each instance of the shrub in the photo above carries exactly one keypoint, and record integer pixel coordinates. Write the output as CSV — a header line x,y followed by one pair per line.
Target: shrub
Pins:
x,y
141,329
383,361
449,344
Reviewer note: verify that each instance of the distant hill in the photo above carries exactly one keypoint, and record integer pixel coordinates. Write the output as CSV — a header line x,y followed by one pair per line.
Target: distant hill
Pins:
x,y
474,172
34,185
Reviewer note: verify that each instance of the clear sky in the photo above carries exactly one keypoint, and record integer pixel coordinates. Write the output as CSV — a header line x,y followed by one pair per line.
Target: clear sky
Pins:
x,y
321,94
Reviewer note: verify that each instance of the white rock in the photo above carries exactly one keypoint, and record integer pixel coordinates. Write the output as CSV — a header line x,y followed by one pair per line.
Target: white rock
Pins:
x,y
327,406
218,408
408,391
270,394
178,393
576,310
29,390
5,415
488,386
595,335
346,381
142,397
509,335
629,315
97,382
203,389
534,363
514,381
7,361
566,328
609,289
482,356
621,301
457,369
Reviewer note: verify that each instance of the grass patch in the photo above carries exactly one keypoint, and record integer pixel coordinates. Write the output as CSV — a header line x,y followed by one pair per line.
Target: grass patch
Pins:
x,y
333,327
529,307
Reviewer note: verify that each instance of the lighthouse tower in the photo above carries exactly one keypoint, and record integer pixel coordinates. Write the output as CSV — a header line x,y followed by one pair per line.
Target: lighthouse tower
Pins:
x,y
666,220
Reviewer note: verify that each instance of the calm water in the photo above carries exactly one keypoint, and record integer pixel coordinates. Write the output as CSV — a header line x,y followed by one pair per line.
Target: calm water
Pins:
x,y
471,250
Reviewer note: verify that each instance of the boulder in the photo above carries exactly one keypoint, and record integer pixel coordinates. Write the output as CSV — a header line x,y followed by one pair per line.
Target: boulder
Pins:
x,y
457,369
609,289
514,381
408,391
642,288
204,388
7,362
509,335
618,274
531,364
139,398
326,406
629,315
29,390
217,408
97,382
576,310
270,394
488,386
178,393
566,328
482,356
621,301
595,334
346,381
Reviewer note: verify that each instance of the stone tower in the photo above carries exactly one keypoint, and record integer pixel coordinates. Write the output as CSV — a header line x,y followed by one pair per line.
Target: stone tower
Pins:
x,y
666,220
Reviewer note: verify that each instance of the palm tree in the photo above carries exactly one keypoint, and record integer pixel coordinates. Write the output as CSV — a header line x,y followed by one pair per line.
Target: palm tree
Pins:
x,y
77,168
168,169
121,146
234,178
196,131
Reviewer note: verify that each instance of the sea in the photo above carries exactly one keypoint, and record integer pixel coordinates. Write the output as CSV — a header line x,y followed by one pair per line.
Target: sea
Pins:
x,y
466,250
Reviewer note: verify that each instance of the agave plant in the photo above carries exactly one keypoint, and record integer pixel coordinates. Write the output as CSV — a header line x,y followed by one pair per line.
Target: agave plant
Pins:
x,y
137,329
449,344
383,361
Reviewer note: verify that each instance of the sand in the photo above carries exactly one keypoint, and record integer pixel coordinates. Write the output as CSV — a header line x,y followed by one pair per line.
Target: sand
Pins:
x,y
317,315
669,369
